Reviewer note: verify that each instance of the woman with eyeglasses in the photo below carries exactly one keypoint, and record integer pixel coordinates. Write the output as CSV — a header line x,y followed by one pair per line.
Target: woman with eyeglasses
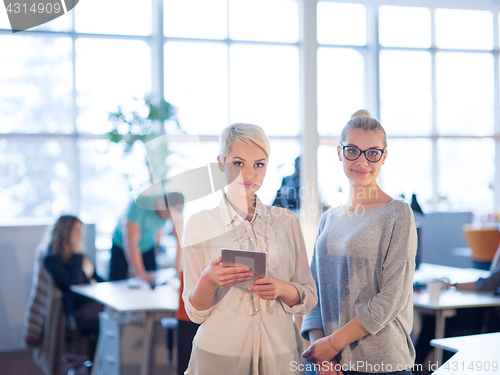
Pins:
x,y
363,265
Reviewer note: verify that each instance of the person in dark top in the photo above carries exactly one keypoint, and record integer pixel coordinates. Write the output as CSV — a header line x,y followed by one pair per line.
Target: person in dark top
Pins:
x,y
68,266
288,194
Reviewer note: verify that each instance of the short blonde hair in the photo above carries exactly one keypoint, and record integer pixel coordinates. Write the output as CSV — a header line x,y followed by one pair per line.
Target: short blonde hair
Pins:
x,y
246,133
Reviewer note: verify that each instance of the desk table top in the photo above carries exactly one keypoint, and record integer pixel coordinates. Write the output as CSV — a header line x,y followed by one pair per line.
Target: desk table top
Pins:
x,y
119,296
452,299
477,354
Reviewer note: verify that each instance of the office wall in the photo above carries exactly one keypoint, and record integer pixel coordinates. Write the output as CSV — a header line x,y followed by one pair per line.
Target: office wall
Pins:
x,y
441,236
17,253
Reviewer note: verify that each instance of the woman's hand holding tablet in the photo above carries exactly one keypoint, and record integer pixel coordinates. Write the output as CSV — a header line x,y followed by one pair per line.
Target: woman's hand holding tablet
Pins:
x,y
226,276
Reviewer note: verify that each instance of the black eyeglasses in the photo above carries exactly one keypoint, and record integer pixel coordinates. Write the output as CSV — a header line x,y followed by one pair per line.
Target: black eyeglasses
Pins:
x,y
352,153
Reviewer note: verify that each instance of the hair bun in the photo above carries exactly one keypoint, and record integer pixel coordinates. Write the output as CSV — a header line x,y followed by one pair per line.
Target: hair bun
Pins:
x,y
361,112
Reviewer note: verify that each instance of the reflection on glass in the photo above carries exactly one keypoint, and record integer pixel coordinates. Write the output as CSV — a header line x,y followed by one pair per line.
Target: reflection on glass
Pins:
x,y
35,178
265,87
333,184
466,175
195,19
341,23
264,20
35,84
121,72
467,29
405,92
196,83
408,170
404,26
61,23
340,88
190,155
465,93
117,17
281,164
105,186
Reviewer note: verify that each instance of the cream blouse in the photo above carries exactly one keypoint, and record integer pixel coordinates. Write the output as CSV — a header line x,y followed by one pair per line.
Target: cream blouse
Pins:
x,y
242,333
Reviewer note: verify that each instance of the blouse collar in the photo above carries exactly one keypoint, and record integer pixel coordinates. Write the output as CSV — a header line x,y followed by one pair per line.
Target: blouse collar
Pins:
x,y
229,215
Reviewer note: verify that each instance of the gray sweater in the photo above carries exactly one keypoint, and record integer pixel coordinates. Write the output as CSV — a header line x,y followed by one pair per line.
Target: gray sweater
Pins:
x,y
363,265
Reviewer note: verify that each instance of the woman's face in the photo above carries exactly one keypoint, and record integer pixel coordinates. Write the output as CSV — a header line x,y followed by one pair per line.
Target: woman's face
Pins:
x,y
75,237
361,172
245,167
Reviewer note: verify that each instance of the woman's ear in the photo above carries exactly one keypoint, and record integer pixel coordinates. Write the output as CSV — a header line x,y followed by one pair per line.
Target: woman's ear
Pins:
x,y
338,153
221,167
384,156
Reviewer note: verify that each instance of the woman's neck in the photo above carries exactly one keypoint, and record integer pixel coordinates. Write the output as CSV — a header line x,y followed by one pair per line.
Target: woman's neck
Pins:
x,y
366,197
243,205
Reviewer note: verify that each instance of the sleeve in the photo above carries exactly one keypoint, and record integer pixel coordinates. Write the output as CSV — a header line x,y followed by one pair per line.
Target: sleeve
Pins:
x,y
62,274
490,283
313,320
193,264
302,278
134,213
398,267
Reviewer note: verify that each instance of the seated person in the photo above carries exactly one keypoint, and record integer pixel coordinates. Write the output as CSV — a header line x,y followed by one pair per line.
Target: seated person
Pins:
x,y
467,321
489,284
68,266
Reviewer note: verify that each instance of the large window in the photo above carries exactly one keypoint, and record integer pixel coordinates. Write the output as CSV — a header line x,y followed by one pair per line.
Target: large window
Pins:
x,y
430,75
428,72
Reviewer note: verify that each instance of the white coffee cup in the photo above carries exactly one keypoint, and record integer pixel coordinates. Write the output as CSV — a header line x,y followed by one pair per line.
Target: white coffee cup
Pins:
x,y
434,290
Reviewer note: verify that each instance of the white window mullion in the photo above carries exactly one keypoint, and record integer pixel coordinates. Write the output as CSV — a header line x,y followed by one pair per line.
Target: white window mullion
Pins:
x,y
75,154
496,75
157,46
434,132
372,63
310,204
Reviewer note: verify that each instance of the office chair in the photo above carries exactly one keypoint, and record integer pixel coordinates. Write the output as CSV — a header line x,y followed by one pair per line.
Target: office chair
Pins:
x,y
484,243
170,325
53,335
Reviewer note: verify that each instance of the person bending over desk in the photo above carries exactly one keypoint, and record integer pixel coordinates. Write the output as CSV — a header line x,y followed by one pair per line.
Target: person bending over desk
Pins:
x,y
137,234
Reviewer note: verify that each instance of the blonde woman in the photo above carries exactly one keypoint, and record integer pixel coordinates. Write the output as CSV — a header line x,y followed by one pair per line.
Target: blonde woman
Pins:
x,y
363,264
246,327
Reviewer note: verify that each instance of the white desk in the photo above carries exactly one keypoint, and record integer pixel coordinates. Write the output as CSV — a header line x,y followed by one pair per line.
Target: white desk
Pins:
x,y
451,299
477,354
118,296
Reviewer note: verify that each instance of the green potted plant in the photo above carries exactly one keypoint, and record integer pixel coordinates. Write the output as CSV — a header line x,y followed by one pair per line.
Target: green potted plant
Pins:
x,y
144,121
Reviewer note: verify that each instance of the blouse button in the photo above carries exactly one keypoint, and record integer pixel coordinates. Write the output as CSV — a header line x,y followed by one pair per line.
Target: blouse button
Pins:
x,y
256,327
251,239
256,310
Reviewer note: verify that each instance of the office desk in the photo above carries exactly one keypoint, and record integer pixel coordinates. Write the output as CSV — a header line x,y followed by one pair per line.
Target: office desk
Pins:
x,y
449,300
118,296
476,354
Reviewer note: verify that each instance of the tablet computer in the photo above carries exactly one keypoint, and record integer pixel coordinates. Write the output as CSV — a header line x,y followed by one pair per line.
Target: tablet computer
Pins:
x,y
253,259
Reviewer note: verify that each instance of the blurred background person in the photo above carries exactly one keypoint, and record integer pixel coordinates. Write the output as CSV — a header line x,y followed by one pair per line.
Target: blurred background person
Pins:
x,y
137,234
68,266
